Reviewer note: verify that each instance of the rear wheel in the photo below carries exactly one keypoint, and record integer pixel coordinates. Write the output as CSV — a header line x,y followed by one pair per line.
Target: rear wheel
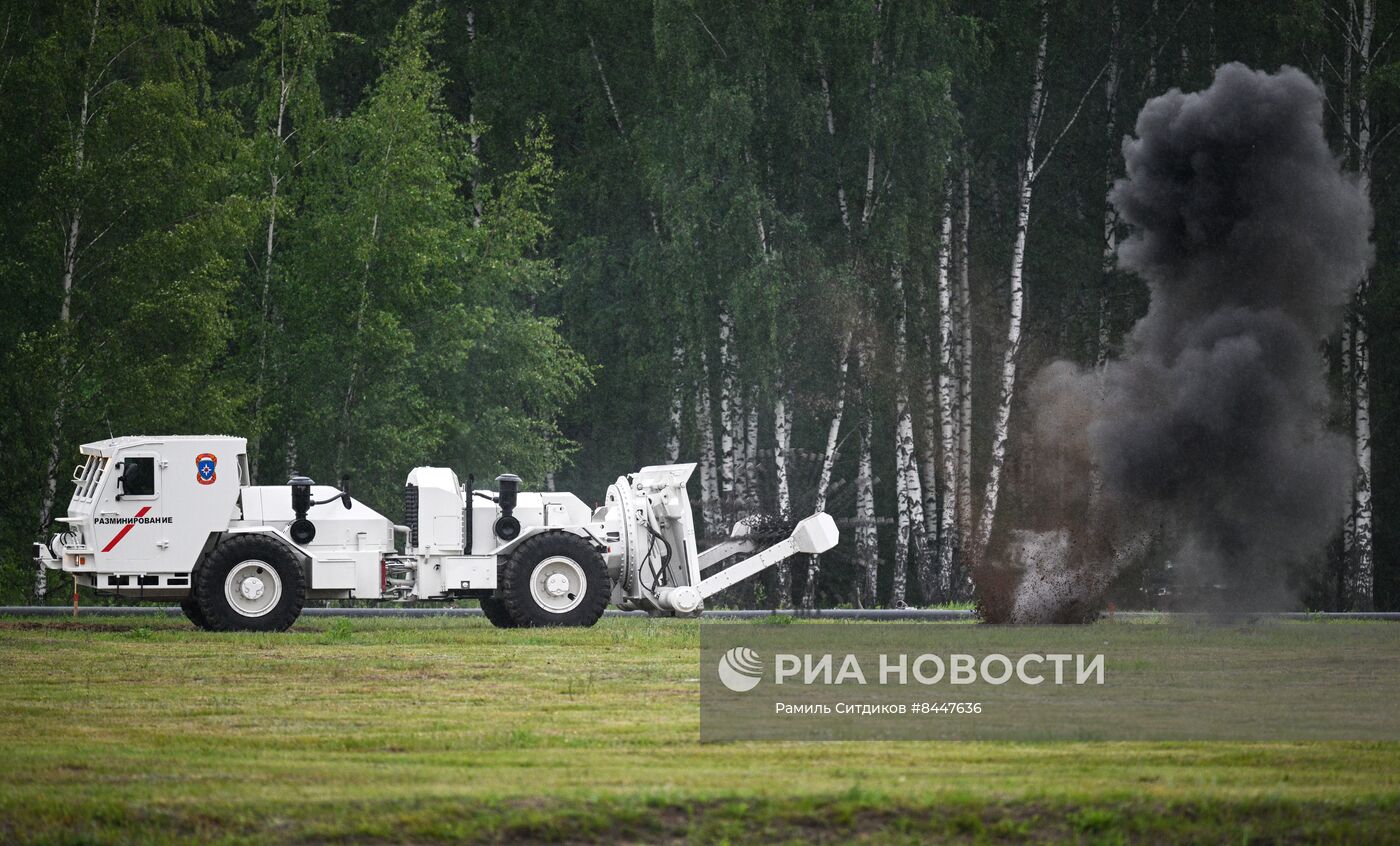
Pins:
x,y
250,583
555,579
496,611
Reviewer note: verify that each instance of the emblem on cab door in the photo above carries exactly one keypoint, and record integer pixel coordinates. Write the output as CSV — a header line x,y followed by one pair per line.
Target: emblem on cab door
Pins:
x,y
204,464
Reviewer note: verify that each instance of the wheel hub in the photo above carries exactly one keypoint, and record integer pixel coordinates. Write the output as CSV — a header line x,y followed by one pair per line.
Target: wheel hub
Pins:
x,y
252,588
557,584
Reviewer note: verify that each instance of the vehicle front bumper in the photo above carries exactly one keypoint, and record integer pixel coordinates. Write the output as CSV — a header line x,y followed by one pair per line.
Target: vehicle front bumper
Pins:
x,y
67,558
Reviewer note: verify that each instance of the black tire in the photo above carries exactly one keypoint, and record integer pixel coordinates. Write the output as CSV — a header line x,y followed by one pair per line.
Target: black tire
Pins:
x,y
496,611
520,600
255,552
192,612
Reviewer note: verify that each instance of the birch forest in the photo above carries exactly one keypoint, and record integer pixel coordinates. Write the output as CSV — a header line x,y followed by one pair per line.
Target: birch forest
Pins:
x,y
818,248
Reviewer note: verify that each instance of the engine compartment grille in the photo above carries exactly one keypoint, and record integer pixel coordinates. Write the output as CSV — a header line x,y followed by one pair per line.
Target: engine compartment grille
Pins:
x,y
410,513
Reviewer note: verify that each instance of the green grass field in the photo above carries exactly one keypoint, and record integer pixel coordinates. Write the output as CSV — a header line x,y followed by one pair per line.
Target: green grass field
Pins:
x,y
140,730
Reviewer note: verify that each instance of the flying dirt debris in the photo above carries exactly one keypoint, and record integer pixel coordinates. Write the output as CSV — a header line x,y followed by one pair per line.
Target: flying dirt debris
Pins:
x,y
1209,433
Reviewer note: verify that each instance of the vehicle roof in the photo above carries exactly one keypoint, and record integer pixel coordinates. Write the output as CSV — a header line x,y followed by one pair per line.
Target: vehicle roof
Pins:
x,y
113,445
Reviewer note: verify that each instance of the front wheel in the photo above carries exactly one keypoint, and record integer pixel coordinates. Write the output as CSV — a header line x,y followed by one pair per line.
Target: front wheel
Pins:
x,y
555,579
250,583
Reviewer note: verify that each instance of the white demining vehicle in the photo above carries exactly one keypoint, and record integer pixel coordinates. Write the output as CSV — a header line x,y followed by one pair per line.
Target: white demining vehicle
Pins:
x,y
175,517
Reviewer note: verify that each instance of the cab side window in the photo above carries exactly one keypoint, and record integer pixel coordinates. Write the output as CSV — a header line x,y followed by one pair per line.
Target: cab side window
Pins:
x,y
138,476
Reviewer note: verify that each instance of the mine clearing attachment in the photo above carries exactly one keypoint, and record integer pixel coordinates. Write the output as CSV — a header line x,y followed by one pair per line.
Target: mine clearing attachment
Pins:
x,y
177,518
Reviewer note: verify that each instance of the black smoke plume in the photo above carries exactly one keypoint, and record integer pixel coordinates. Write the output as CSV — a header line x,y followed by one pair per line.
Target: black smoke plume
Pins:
x,y
1208,436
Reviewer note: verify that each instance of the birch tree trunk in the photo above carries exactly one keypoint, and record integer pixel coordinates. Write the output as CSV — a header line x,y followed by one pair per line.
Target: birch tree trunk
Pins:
x,y
831,133
753,504
274,178
1361,579
673,438
342,450
60,409
1349,523
1110,234
614,112
739,491
963,584
928,442
1110,215
1152,50
1017,296
947,409
709,470
868,209
607,87
833,432
291,456
473,136
909,515
868,205
1348,380
782,442
1360,582
741,451
728,419
751,493
67,274
867,541
347,407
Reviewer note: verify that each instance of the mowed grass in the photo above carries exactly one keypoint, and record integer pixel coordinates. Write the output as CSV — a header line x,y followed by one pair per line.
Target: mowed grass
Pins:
x,y
139,730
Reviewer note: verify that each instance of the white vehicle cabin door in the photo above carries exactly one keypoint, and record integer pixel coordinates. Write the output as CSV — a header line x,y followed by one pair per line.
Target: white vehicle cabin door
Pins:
x,y
129,518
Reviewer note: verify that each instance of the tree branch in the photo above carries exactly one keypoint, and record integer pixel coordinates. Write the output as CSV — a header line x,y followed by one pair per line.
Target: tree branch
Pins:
x,y
1089,89
701,21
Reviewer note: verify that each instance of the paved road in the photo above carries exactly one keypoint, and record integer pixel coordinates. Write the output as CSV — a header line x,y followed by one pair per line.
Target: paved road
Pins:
x,y
906,614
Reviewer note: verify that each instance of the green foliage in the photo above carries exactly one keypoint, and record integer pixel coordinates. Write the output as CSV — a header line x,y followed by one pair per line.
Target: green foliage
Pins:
x,y
244,261
372,235
124,236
